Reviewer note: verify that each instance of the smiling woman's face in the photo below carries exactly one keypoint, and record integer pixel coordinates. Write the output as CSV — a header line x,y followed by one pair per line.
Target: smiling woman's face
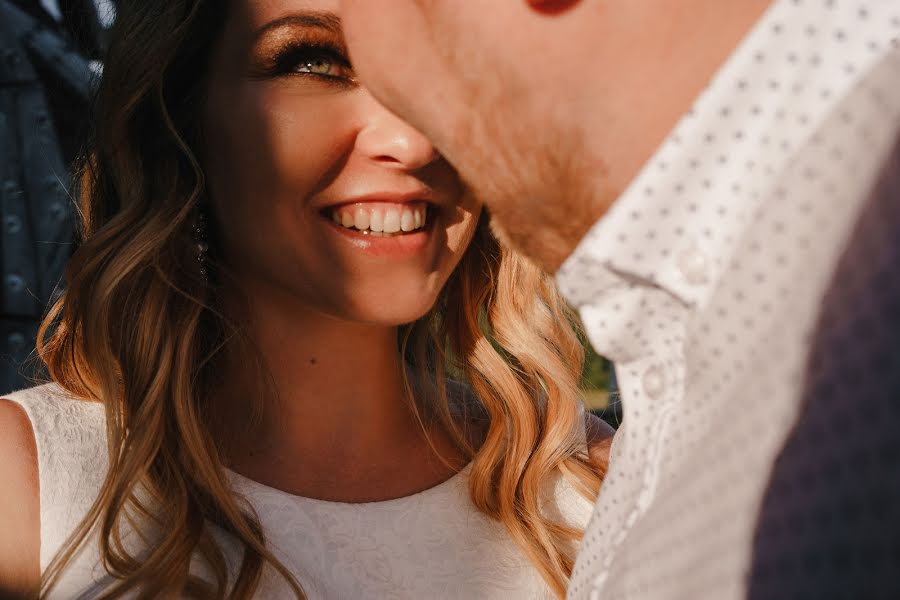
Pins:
x,y
320,195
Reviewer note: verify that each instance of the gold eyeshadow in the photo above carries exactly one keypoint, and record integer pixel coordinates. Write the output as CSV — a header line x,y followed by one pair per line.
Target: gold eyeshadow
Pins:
x,y
272,45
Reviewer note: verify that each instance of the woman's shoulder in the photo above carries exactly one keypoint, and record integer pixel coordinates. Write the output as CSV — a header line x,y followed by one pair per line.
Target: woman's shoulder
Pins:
x,y
63,426
19,501
67,441
52,398
60,419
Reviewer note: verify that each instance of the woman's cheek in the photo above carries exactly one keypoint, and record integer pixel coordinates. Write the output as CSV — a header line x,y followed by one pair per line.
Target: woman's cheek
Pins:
x,y
304,140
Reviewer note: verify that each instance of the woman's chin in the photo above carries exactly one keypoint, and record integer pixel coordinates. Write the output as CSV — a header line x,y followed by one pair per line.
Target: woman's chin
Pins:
x,y
393,311
390,316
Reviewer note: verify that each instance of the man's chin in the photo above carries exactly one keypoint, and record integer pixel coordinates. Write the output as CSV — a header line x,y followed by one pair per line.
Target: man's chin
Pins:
x,y
508,241
534,242
500,233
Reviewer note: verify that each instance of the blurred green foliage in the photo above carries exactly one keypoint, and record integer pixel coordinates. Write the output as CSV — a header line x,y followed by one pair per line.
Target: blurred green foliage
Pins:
x,y
594,375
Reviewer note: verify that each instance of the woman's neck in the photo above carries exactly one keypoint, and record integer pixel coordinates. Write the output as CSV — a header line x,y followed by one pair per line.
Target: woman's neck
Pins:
x,y
333,401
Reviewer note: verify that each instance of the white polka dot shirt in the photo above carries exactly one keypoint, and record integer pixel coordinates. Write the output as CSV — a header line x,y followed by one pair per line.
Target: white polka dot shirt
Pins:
x,y
703,284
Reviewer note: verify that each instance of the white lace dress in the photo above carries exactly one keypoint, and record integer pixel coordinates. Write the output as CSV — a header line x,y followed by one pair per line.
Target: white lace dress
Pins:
x,y
433,544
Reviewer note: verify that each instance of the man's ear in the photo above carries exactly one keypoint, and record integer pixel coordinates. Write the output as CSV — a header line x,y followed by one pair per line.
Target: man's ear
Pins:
x,y
552,7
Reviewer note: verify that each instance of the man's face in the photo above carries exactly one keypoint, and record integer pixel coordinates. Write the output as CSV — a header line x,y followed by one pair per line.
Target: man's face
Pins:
x,y
495,88
549,108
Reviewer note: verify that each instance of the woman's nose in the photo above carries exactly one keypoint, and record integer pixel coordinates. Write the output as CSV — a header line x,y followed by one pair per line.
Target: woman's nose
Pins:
x,y
388,140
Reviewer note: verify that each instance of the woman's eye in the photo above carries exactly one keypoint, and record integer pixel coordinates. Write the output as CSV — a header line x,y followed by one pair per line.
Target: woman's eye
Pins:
x,y
326,63
317,66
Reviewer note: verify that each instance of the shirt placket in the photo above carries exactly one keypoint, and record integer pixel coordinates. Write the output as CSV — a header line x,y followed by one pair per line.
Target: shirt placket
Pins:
x,y
641,330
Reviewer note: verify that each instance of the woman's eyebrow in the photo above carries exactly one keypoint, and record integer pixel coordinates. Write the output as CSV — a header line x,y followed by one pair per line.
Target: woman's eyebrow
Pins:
x,y
319,19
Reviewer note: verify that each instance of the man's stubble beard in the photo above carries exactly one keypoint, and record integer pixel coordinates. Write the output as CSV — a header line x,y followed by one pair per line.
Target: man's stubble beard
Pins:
x,y
534,171
540,186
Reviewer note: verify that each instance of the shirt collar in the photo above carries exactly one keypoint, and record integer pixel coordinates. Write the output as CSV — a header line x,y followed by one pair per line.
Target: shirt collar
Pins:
x,y
762,106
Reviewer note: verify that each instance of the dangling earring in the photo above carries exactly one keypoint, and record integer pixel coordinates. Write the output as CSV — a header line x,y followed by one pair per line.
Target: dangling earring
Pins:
x,y
201,245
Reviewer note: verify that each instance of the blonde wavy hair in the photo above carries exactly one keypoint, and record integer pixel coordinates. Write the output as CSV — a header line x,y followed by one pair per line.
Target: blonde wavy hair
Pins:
x,y
138,330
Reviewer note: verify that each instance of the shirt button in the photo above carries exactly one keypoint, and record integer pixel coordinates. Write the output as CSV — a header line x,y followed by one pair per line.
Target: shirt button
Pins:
x,y
12,58
57,211
694,266
15,342
13,224
53,186
15,283
654,382
42,122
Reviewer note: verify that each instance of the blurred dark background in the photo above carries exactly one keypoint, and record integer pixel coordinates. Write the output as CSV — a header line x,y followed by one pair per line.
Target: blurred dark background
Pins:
x,y
50,54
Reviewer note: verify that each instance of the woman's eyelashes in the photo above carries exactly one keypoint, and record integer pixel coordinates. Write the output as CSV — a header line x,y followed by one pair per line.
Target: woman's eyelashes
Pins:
x,y
323,61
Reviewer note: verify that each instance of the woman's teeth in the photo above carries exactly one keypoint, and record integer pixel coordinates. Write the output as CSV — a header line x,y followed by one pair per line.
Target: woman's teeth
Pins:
x,y
380,220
